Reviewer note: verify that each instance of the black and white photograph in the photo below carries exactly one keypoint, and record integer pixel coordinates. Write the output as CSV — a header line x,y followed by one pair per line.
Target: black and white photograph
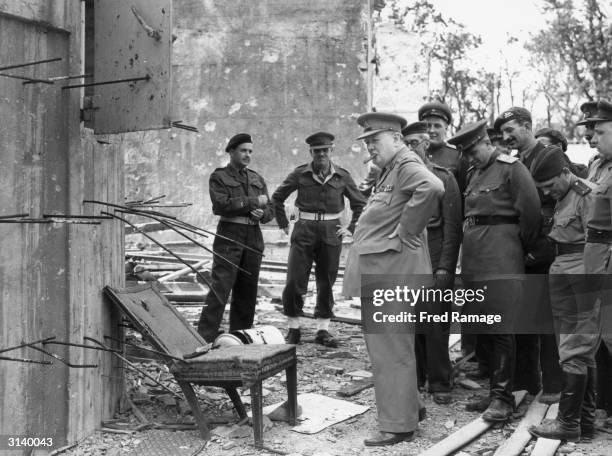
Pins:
x,y
305,228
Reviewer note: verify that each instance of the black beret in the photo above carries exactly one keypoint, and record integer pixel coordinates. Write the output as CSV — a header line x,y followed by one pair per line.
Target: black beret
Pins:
x,y
320,139
555,136
238,139
470,135
589,109
548,163
414,128
514,113
604,112
375,122
436,109
495,135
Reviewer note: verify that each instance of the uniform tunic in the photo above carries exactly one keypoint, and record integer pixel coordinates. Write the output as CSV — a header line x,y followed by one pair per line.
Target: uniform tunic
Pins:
x,y
315,240
448,157
399,208
575,308
234,194
493,254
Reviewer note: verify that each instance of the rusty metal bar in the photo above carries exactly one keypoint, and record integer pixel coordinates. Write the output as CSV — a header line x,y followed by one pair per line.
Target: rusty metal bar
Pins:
x,y
190,239
204,279
115,81
59,358
14,216
84,217
24,344
25,360
26,79
126,207
37,62
72,344
130,364
150,350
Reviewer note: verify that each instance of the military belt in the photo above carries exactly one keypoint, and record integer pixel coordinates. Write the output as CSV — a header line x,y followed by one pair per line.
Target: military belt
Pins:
x,y
598,236
240,220
319,216
491,220
567,249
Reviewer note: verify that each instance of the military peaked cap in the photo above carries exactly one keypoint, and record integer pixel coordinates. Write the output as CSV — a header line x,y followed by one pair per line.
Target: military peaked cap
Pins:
x,y
415,128
470,135
436,109
375,122
320,140
604,112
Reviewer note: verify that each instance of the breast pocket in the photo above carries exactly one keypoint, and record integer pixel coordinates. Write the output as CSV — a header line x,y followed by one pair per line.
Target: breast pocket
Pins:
x,y
565,221
486,196
382,197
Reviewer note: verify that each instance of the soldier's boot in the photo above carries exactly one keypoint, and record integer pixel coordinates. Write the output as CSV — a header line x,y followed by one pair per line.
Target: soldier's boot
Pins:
x,y
478,405
294,336
502,400
567,424
587,414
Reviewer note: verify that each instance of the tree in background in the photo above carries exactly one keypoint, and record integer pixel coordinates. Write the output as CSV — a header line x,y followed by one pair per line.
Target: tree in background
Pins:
x,y
574,54
445,46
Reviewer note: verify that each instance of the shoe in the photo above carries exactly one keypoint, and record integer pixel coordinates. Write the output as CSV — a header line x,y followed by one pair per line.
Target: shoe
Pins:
x,y
388,438
498,411
293,336
549,398
478,405
442,398
324,338
553,429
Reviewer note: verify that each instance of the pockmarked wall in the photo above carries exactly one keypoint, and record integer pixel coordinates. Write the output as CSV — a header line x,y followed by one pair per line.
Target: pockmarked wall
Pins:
x,y
52,274
277,69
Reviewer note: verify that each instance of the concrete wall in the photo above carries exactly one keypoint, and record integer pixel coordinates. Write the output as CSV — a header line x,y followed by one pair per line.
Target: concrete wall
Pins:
x,y
51,275
278,69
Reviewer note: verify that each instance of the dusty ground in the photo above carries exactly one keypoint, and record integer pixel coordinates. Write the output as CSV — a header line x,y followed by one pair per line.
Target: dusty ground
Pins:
x,y
320,370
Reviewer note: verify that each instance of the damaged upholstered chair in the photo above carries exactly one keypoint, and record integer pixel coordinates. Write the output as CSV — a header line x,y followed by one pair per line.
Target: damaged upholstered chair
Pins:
x,y
227,367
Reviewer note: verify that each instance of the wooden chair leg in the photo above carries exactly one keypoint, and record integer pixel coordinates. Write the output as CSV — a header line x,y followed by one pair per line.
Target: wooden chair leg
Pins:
x,y
291,374
192,400
238,405
257,409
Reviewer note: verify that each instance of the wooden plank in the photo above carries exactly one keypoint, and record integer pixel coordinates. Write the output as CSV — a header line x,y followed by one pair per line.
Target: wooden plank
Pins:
x,y
547,447
465,435
184,271
521,436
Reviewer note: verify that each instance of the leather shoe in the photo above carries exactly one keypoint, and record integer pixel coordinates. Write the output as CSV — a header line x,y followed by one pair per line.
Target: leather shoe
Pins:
x,y
324,338
553,429
442,398
498,412
294,336
388,438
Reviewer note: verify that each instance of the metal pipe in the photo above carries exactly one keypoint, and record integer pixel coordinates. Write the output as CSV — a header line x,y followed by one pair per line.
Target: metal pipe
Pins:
x,y
115,81
37,62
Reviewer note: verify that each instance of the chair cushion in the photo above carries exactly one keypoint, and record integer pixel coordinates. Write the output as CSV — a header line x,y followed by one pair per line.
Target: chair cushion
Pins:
x,y
244,364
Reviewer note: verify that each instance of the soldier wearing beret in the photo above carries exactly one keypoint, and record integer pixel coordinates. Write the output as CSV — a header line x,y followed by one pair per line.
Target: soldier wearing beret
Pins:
x,y
534,352
437,116
443,240
550,136
390,240
240,197
497,140
575,310
501,209
317,235
599,245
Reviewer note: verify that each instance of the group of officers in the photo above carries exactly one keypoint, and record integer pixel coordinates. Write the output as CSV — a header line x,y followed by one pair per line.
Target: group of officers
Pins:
x,y
422,206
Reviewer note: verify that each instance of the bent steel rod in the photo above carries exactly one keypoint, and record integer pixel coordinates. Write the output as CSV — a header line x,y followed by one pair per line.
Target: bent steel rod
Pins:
x,y
204,279
167,224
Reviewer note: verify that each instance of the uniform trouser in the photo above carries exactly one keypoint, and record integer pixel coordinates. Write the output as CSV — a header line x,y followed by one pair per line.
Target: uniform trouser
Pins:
x,y
597,261
226,278
537,354
501,298
431,342
395,382
575,309
308,243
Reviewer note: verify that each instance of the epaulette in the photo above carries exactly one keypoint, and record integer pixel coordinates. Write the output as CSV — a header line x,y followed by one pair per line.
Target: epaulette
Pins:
x,y
580,187
506,158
